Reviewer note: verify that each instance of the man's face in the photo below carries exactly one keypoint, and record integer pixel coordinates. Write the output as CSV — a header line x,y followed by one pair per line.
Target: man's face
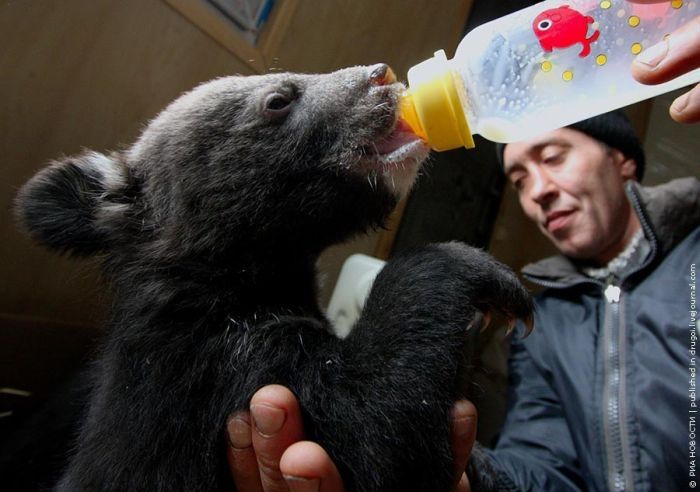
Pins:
x,y
571,186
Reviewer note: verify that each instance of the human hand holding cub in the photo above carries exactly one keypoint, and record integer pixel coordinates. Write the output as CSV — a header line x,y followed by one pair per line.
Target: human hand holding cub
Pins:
x,y
276,458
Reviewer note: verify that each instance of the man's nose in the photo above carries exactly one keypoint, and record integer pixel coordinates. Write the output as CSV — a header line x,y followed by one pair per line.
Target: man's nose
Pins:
x,y
543,190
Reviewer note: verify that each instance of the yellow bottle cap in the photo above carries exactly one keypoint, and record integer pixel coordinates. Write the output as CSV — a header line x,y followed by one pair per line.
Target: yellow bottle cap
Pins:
x,y
432,108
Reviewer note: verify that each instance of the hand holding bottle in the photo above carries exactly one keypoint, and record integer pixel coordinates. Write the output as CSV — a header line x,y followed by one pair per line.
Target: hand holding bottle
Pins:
x,y
677,54
553,64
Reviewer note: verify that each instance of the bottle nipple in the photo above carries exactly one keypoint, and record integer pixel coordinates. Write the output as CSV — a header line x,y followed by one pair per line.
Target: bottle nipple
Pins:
x,y
410,116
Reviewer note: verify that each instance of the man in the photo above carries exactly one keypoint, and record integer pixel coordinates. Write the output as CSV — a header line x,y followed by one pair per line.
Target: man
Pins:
x,y
599,396
599,393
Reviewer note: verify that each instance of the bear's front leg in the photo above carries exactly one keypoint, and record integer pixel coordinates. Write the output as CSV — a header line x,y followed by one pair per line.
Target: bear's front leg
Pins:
x,y
384,414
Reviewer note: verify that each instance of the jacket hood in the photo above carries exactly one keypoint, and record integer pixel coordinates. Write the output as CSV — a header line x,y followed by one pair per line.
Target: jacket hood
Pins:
x,y
668,213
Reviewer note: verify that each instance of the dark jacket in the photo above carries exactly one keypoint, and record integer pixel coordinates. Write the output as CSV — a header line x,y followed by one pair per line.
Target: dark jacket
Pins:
x,y
600,393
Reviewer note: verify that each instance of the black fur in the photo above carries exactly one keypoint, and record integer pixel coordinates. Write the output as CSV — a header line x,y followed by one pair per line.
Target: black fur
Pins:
x,y
210,227
60,205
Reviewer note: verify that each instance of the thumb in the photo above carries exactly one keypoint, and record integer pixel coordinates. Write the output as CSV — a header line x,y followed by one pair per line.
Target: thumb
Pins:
x,y
464,421
676,54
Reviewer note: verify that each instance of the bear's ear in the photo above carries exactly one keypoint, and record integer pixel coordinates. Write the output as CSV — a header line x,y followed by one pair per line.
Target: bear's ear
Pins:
x,y
74,204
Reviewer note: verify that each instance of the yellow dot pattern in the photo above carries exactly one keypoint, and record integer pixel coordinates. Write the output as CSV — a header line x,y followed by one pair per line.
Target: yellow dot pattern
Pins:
x,y
602,59
676,4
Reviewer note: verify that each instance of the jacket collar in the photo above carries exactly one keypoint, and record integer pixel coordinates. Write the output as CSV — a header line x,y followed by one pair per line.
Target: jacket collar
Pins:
x,y
667,212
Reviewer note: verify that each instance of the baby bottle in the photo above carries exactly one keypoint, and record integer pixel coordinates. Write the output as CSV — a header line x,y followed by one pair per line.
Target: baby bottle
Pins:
x,y
538,69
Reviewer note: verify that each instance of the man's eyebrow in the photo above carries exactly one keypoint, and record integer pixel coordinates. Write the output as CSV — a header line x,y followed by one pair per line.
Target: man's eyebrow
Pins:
x,y
535,150
560,142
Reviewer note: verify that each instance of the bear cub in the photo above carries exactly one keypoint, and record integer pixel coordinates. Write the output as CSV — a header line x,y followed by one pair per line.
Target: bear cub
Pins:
x,y
208,229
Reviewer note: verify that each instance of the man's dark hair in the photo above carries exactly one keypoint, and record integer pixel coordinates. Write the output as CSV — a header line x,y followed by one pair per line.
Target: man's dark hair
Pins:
x,y
613,129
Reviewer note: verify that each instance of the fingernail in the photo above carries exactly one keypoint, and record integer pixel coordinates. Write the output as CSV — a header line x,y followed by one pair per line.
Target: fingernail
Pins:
x,y
268,420
463,420
238,430
462,427
680,103
300,484
652,56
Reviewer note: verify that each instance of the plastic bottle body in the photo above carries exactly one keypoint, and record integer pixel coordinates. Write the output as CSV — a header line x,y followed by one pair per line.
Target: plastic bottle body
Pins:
x,y
558,62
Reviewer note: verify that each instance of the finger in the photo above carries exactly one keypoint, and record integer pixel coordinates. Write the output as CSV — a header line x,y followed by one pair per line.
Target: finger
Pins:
x,y
240,453
464,421
306,467
675,55
463,485
277,425
686,108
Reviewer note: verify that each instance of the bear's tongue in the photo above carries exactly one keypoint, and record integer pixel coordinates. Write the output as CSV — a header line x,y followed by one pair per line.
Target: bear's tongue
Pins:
x,y
401,136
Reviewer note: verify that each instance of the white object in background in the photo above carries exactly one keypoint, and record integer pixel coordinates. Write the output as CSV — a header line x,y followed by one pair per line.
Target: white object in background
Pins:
x,y
351,290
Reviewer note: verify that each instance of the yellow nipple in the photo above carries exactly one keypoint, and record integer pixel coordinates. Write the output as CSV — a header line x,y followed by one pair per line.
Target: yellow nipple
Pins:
x,y
409,115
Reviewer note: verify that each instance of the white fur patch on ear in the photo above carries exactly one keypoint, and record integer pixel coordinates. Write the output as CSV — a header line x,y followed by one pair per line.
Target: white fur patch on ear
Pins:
x,y
77,204
112,174
107,213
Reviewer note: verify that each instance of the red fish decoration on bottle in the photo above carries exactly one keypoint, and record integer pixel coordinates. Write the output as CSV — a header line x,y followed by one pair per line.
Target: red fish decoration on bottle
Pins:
x,y
564,27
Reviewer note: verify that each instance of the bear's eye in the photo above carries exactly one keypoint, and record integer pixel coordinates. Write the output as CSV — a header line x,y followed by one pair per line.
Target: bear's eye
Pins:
x,y
278,105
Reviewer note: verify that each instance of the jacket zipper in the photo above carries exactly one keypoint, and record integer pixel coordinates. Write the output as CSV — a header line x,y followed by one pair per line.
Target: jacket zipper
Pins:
x,y
615,432
614,411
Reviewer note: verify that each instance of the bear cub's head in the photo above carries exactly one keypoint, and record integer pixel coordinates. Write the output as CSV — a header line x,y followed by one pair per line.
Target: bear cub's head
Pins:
x,y
279,162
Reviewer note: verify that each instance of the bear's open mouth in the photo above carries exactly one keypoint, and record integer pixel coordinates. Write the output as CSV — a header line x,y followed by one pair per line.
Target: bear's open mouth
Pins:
x,y
394,159
399,146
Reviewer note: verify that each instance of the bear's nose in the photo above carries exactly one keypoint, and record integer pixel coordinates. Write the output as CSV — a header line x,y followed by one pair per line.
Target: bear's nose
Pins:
x,y
382,74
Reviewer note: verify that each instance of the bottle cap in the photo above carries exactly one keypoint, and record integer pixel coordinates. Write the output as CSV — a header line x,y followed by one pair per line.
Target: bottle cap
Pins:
x,y
432,108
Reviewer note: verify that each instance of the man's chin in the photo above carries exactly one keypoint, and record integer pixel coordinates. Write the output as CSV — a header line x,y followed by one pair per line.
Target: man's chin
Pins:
x,y
587,253
567,245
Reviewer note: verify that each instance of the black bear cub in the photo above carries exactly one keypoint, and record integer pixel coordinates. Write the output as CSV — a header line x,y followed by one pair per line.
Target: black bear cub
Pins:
x,y
209,228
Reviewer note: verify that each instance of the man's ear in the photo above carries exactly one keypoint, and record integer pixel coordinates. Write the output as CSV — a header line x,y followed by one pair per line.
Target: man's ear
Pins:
x,y
74,204
626,165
